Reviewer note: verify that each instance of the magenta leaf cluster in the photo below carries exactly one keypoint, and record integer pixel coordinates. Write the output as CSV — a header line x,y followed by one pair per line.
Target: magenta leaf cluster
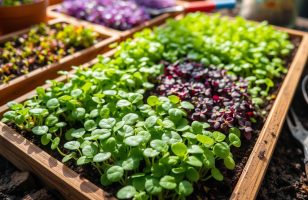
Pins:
x,y
220,99
117,14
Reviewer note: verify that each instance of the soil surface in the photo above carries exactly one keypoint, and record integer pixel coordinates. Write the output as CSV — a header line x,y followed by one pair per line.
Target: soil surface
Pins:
x,y
17,185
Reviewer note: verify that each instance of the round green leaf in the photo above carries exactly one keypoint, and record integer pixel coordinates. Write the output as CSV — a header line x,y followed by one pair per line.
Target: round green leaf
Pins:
x,y
83,160
90,125
52,103
110,92
150,121
72,145
134,97
149,152
46,138
192,174
89,150
206,140
36,111
222,149
175,114
197,127
218,136
123,103
174,99
107,123
76,93
104,180
159,145
168,182
126,192
79,113
133,140
153,100
171,137
235,131
152,186
234,140
61,124
179,149
101,157
217,174
101,133
194,161
51,120
187,105
229,162
115,173
130,118
68,157
55,143
130,164
40,130
185,188
195,149
78,133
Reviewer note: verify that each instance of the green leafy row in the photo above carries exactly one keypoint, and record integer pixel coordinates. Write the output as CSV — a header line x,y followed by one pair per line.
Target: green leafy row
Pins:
x,y
40,46
147,148
247,49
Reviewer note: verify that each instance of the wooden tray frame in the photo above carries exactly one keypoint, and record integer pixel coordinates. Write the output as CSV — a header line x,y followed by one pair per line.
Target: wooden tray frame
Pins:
x,y
28,82
28,156
122,34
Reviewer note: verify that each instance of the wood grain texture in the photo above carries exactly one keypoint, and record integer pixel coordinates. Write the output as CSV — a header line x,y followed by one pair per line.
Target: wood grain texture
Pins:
x,y
256,166
51,12
254,171
28,82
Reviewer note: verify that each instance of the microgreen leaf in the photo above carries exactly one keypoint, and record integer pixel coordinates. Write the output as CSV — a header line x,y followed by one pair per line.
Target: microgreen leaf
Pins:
x,y
40,130
185,188
72,145
152,186
115,173
107,123
101,157
168,182
179,149
126,192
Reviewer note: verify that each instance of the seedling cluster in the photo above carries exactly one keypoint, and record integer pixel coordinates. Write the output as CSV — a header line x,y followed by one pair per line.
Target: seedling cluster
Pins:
x,y
166,111
41,46
16,2
218,98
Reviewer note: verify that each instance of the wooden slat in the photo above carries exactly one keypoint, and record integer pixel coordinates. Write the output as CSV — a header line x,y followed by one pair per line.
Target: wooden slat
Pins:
x,y
256,166
28,82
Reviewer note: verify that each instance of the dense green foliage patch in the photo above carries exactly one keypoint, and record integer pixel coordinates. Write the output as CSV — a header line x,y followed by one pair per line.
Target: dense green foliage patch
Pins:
x,y
253,51
40,46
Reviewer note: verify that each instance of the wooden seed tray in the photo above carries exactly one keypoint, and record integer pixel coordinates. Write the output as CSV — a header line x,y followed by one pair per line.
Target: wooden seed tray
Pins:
x,y
51,12
28,82
28,156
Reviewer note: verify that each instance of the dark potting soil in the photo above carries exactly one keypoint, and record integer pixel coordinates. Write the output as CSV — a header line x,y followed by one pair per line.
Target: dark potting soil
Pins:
x,y
285,178
15,185
203,190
